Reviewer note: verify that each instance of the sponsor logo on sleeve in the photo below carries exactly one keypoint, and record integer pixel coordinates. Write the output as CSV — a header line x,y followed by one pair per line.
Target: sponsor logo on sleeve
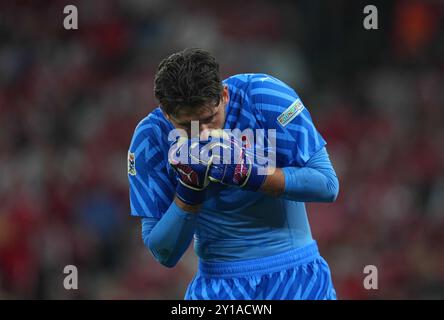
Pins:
x,y
131,164
291,112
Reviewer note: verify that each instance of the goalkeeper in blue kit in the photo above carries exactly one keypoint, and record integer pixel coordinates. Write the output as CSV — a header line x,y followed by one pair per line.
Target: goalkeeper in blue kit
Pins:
x,y
247,216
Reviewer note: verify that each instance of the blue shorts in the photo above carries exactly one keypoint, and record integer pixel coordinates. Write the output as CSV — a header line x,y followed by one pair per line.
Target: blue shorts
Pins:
x,y
299,274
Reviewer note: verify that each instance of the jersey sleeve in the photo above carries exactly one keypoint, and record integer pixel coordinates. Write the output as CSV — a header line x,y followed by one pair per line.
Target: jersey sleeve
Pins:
x,y
151,187
279,107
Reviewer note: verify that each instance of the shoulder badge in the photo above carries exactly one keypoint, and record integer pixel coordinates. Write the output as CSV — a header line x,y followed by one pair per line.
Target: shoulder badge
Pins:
x,y
131,164
291,112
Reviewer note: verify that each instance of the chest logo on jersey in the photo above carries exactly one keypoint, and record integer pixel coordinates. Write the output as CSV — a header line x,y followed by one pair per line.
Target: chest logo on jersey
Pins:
x,y
291,112
131,164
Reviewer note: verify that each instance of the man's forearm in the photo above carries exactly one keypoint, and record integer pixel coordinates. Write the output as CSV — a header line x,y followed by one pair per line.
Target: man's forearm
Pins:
x,y
303,185
170,237
317,182
194,209
274,184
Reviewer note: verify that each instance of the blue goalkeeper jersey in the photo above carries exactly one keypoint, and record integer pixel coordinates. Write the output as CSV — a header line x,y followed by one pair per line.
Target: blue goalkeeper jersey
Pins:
x,y
233,224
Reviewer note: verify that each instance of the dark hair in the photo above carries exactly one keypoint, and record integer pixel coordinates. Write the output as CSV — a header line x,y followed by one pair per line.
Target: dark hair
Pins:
x,y
190,79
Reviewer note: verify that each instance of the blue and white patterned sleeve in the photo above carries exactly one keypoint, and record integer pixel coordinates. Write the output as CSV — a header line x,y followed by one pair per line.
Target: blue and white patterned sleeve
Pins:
x,y
151,188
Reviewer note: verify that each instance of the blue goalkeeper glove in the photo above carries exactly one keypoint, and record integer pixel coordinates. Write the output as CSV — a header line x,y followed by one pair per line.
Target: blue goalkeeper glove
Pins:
x,y
192,172
233,163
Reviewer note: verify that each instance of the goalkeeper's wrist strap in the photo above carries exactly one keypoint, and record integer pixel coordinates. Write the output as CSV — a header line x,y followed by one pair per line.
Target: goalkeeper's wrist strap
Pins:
x,y
190,196
256,178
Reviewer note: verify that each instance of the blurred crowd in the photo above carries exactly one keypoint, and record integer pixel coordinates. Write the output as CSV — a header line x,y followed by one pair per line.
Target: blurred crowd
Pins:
x,y
70,100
